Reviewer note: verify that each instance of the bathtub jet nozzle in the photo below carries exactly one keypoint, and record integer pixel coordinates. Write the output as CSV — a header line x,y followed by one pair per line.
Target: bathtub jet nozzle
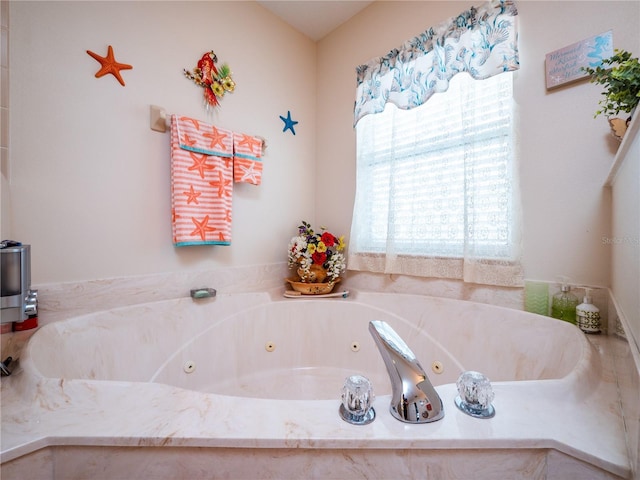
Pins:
x,y
413,399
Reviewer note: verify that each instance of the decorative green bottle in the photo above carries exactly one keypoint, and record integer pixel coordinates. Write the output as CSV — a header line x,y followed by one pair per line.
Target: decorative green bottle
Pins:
x,y
563,305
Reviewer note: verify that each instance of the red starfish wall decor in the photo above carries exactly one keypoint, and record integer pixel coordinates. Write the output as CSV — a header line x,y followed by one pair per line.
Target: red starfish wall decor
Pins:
x,y
109,65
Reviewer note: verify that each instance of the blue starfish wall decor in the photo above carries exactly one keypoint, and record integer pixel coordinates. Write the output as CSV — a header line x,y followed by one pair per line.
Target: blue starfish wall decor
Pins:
x,y
288,123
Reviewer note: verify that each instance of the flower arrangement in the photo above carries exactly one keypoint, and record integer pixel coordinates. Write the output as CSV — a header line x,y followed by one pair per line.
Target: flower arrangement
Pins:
x,y
317,256
214,81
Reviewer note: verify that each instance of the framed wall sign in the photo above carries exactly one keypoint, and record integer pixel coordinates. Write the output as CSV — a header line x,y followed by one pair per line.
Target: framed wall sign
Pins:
x,y
564,65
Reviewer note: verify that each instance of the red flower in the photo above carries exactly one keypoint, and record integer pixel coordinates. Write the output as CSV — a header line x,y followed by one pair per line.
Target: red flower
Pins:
x,y
328,239
319,258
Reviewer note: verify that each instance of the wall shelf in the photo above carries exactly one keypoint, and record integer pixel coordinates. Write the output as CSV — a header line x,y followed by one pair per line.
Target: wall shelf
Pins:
x,y
621,154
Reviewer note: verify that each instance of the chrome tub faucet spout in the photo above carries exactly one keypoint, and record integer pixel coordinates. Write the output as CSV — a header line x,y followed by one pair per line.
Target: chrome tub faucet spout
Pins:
x,y
413,399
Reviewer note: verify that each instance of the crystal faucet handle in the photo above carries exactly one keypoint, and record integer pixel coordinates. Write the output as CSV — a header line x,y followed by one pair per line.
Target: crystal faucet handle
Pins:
x,y
357,400
357,394
475,395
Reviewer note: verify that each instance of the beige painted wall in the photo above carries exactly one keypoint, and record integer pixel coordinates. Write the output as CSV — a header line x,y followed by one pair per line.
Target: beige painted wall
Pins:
x,y
565,153
89,180
625,237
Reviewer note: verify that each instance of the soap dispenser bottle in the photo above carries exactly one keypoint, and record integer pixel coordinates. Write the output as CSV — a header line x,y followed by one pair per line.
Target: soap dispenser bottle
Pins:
x,y
564,303
588,315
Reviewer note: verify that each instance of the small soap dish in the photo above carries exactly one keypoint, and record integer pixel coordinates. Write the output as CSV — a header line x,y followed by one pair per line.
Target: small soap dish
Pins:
x,y
198,293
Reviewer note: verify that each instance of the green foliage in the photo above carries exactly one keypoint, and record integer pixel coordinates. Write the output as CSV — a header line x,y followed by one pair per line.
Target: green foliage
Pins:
x,y
620,74
224,71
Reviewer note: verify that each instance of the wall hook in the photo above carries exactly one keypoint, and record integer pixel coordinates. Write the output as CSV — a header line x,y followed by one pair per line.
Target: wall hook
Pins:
x,y
158,119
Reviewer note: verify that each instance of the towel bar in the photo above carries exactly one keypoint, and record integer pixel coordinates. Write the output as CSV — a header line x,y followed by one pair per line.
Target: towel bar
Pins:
x,y
161,121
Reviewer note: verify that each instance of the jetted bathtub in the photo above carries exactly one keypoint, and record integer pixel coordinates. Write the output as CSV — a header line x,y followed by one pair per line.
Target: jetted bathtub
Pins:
x,y
248,386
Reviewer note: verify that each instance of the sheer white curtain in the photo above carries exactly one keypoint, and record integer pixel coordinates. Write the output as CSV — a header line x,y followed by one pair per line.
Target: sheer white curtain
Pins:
x,y
436,192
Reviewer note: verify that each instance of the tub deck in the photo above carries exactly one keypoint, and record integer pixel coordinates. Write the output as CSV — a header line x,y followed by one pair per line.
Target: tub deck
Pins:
x,y
542,429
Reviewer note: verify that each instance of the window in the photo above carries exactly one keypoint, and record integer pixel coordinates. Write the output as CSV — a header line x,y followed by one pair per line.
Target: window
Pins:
x,y
436,191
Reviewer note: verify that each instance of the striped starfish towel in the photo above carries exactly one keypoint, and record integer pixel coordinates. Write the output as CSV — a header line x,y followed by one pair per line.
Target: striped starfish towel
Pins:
x,y
201,182
247,161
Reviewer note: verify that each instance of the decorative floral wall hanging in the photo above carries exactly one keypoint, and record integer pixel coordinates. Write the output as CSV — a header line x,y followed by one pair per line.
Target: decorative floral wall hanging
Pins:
x,y
215,81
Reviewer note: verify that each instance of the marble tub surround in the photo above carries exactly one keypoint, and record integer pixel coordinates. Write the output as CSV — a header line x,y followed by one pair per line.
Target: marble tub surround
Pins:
x,y
626,365
555,417
435,287
115,463
492,295
65,300
274,334
61,301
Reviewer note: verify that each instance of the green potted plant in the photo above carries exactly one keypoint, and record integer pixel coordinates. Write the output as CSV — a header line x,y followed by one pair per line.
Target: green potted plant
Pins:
x,y
620,74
